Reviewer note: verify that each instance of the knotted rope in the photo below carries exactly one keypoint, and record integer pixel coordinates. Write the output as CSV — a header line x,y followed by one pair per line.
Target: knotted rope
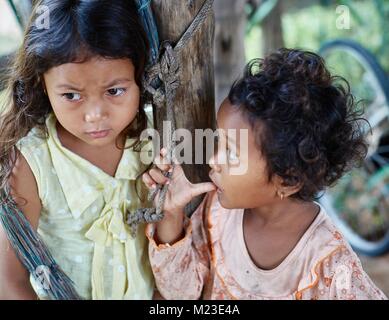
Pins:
x,y
164,74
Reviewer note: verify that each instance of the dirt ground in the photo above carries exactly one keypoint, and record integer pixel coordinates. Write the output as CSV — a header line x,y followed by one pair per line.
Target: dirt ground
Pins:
x,y
378,270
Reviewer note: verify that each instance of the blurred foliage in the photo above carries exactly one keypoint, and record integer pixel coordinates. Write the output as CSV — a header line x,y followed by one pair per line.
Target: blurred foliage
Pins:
x,y
10,31
256,15
310,26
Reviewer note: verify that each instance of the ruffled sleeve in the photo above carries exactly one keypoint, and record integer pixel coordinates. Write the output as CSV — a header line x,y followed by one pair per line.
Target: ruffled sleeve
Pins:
x,y
182,269
340,276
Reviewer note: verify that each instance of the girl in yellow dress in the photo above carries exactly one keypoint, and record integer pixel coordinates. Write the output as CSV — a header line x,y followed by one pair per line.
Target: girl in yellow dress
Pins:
x,y
68,134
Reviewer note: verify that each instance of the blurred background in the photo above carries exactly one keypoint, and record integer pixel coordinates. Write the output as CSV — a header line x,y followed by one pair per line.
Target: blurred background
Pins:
x,y
353,37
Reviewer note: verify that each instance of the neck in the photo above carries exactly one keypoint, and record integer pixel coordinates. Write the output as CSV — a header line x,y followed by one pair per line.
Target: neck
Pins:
x,y
281,211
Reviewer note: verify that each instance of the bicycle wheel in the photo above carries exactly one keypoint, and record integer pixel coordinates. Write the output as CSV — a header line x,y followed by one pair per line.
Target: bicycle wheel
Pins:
x,y
359,203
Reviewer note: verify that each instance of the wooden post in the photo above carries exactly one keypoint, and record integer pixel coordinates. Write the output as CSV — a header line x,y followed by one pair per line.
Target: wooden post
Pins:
x,y
230,57
194,101
272,30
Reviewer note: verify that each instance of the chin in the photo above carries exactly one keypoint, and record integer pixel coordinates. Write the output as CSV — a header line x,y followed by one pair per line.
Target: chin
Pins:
x,y
99,142
224,202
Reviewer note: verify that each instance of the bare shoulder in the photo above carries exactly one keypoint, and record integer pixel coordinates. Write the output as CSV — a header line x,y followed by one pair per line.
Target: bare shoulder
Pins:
x,y
24,190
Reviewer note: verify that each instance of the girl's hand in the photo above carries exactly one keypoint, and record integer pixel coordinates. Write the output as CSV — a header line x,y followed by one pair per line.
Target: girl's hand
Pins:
x,y
180,190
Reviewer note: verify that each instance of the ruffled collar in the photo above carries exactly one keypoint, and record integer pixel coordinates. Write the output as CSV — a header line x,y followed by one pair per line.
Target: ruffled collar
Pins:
x,y
83,188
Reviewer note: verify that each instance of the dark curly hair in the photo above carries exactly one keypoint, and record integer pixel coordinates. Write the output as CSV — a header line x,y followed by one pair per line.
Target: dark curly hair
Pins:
x,y
305,119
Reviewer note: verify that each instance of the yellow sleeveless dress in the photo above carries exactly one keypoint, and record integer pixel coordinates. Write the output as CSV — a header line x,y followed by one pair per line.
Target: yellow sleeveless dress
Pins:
x,y
82,218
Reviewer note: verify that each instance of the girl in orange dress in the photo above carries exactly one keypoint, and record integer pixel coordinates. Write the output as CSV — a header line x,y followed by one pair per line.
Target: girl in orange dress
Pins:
x,y
287,130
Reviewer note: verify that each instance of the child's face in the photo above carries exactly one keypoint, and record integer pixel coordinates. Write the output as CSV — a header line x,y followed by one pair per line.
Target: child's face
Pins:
x,y
251,189
94,100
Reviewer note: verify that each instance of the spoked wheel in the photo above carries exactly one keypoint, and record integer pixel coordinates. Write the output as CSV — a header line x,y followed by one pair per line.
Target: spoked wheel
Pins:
x,y
359,203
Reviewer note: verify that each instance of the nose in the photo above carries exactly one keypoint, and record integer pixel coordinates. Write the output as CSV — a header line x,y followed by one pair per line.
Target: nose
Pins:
x,y
96,112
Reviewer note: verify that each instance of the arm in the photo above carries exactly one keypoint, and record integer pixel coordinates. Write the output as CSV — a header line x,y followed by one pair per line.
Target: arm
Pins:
x,y
340,276
14,278
178,246
182,268
350,282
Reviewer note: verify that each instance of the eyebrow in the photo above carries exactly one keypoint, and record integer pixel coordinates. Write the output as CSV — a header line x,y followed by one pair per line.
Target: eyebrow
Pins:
x,y
117,81
68,86
108,85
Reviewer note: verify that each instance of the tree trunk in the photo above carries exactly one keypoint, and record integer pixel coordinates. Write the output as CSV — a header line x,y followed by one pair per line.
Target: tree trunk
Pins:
x,y
272,30
230,57
194,105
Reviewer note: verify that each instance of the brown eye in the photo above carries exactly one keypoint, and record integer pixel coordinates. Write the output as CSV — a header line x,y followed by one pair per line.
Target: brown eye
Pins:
x,y
232,157
116,92
72,96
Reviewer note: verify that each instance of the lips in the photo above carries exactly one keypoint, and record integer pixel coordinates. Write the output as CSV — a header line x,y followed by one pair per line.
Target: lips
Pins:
x,y
99,134
219,190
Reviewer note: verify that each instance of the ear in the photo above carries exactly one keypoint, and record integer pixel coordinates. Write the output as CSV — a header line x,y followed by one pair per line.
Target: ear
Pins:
x,y
284,189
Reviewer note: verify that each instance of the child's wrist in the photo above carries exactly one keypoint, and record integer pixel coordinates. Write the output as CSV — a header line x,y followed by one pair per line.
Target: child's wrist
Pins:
x,y
170,239
173,214
170,229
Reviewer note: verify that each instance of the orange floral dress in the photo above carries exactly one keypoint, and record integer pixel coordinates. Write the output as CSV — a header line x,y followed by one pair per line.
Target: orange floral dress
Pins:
x,y
212,262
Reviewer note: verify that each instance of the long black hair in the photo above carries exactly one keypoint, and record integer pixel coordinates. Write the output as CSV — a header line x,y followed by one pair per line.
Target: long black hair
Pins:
x,y
74,31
